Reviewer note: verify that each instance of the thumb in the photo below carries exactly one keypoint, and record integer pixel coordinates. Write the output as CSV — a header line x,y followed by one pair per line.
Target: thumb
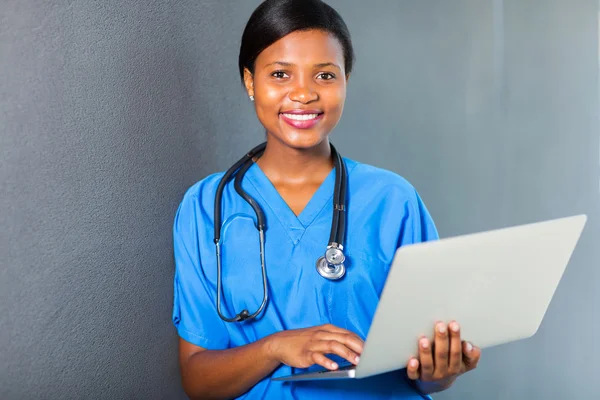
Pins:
x,y
471,355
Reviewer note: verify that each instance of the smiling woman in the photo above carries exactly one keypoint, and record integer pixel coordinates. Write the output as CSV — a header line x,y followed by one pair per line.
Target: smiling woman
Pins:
x,y
290,78
295,60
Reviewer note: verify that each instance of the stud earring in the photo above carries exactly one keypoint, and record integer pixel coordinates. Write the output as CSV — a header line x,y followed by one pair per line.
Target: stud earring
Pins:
x,y
251,98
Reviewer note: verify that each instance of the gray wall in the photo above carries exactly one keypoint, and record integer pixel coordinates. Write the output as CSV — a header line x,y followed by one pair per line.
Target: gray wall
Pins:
x,y
110,110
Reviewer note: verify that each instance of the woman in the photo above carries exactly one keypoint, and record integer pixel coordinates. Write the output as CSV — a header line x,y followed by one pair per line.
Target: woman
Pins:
x,y
295,60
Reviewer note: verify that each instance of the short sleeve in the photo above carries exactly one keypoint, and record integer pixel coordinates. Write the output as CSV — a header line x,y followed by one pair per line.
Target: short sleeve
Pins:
x,y
419,225
194,306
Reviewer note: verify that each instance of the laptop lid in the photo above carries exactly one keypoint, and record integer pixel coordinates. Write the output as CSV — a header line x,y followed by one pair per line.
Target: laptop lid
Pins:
x,y
497,285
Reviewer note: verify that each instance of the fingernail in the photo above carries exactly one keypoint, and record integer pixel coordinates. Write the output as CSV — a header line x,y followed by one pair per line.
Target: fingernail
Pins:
x,y
469,347
413,363
442,328
454,327
424,343
333,365
357,359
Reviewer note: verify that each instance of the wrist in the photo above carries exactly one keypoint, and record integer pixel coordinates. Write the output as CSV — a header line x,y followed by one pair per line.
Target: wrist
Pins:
x,y
434,386
271,348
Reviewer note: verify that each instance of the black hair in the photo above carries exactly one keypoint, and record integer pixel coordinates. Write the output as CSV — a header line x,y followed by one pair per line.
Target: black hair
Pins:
x,y
274,19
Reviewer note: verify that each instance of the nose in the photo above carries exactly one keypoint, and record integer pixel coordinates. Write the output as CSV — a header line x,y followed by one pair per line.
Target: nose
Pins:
x,y
303,92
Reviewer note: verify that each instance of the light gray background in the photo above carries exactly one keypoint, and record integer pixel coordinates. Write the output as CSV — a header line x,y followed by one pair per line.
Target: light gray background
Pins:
x,y
109,110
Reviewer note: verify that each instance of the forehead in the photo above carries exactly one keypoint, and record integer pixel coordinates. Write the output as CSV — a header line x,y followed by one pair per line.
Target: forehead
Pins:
x,y
309,47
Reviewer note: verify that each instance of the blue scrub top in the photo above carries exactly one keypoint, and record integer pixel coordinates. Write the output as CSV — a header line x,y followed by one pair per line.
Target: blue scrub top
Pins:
x,y
384,212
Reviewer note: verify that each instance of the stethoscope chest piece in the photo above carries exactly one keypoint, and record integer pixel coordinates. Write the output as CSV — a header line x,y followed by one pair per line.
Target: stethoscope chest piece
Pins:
x,y
330,271
334,255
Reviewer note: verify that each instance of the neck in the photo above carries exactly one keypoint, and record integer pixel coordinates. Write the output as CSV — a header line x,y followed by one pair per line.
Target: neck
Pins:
x,y
281,162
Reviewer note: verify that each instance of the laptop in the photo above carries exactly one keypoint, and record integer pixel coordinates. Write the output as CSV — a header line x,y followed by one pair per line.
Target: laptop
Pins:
x,y
497,285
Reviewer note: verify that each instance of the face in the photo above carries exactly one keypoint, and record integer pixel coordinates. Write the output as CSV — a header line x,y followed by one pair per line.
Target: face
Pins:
x,y
299,88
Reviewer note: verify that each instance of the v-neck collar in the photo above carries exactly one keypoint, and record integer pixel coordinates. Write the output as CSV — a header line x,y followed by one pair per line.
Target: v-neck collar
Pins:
x,y
295,226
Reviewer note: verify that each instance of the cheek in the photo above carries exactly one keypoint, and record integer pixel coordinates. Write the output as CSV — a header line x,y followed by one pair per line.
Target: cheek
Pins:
x,y
273,95
268,104
269,98
335,100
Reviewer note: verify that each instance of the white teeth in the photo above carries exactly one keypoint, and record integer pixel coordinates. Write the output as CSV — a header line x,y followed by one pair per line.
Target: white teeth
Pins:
x,y
301,117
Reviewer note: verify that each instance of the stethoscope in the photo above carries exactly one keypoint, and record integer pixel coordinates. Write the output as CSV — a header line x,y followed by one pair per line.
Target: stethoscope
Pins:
x,y
330,266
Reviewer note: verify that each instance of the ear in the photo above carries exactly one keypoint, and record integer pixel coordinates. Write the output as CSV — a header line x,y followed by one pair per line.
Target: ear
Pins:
x,y
249,82
347,77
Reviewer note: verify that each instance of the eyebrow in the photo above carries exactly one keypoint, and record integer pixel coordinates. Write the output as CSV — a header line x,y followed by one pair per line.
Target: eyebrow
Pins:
x,y
321,65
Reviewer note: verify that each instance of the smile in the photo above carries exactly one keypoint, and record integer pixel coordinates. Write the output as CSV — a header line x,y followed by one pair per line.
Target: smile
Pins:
x,y
301,117
301,121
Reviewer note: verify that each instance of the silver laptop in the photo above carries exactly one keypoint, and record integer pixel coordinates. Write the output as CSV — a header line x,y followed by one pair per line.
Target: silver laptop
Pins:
x,y
497,285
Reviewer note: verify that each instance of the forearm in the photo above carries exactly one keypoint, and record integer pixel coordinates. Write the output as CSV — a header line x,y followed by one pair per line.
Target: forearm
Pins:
x,y
216,374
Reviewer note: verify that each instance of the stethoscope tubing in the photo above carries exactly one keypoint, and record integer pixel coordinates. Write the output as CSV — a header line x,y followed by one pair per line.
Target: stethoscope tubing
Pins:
x,y
336,236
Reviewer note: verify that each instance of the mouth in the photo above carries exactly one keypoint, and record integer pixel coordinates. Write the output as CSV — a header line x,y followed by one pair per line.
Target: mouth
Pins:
x,y
302,119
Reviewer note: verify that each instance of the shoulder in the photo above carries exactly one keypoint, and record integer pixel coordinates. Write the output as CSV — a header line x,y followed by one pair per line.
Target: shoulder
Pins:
x,y
202,193
387,199
374,180
196,206
204,187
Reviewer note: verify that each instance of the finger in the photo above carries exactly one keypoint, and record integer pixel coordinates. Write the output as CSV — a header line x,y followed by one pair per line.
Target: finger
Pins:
x,y
346,338
426,359
442,349
336,329
456,351
320,359
335,347
412,369
352,335
471,356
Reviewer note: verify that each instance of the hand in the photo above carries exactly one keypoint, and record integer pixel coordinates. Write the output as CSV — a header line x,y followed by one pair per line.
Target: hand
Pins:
x,y
444,360
302,348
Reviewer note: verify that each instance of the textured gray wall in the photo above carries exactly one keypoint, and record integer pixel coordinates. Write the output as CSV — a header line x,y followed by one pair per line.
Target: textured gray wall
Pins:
x,y
110,110
490,108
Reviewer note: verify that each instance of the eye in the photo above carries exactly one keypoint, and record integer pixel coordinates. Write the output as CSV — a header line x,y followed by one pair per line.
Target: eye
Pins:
x,y
326,76
279,74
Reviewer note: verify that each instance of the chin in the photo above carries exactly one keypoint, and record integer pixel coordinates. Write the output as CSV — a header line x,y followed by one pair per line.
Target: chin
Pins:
x,y
303,140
